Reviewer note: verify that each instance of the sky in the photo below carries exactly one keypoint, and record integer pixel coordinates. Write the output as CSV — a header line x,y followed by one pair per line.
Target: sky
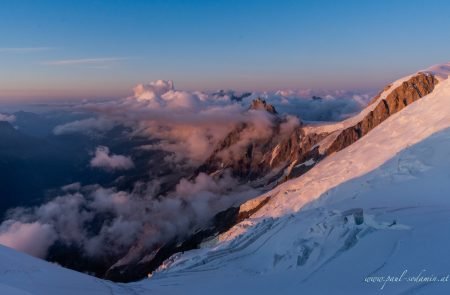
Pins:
x,y
84,49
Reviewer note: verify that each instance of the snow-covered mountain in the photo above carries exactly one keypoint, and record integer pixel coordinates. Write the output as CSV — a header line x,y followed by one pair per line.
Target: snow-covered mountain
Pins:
x,y
373,204
297,147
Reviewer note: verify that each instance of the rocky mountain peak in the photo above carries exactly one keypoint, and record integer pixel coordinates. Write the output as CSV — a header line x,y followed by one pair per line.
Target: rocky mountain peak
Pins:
x,y
261,104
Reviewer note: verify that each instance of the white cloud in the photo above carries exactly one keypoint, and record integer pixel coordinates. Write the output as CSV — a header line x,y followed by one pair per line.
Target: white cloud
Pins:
x,y
127,218
88,126
326,105
23,49
152,90
33,238
85,61
71,187
190,124
110,162
7,117
187,124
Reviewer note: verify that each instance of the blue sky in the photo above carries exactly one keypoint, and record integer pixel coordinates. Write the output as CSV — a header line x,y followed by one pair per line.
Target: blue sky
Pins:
x,y
102,48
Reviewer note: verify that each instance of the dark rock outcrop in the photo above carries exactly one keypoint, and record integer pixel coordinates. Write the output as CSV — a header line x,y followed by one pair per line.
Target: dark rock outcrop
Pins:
x,y
233,96
261,104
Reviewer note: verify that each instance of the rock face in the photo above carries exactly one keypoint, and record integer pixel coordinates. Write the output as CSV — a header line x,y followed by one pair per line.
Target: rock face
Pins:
x,y
409,91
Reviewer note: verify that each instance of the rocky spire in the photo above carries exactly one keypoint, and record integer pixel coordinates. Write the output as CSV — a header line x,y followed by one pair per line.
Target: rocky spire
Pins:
x,y
261,104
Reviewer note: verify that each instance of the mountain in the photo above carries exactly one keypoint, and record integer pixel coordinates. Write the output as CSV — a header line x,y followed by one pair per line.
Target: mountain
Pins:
x,y
270,161
376,208
371,201
279,158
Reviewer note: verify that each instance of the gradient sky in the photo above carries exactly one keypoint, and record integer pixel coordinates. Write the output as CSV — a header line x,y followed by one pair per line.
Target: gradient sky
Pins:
x,y
102,48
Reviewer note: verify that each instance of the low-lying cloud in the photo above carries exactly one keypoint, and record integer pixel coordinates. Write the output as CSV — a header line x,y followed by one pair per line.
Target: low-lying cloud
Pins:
x,y
7,117
188,126
90,126
125,217
319,106
103,159
33,238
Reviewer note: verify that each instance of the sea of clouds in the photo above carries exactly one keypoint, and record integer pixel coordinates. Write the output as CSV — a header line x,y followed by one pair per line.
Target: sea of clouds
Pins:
x,y
187,125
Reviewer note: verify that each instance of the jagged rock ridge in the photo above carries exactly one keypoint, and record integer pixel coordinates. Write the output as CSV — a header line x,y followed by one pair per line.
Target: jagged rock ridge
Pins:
x,y
288,153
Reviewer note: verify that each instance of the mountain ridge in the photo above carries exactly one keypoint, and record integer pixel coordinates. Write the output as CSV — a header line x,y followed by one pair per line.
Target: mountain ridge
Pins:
x,y
296,154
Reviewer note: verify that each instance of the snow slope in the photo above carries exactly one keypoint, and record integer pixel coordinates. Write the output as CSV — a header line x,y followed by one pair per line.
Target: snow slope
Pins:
x,y
22,274
397,175
380,207
403,206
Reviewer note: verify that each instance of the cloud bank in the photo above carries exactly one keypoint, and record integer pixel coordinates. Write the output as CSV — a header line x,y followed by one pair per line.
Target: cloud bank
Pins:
x,y
189,125
319,105
122,217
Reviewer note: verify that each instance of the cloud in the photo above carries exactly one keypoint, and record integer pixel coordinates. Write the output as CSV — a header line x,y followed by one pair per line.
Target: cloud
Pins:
x,y
71,187
7,117
85,61
23,49
257,127
33,238
152,90
90,126
288,126
122,219
186,124
190,124
110,162
318,105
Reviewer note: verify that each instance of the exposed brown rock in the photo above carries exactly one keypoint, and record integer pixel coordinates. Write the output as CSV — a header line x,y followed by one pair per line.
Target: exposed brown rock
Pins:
x,y
408,92
373,100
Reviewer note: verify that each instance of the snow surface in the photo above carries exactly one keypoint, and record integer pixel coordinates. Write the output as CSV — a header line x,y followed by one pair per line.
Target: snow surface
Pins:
x,y
377,208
